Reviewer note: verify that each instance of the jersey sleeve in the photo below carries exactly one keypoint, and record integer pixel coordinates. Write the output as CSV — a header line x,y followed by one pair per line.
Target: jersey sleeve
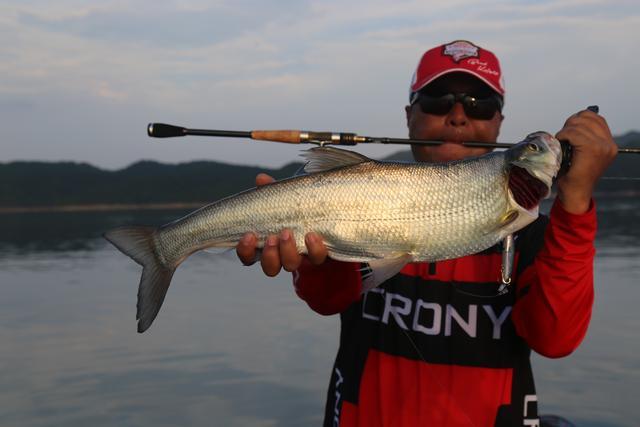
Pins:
x,y
555,290
328,288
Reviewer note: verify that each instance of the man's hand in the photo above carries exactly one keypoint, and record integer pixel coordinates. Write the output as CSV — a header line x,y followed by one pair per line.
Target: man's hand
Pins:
x,y
279,251
593,151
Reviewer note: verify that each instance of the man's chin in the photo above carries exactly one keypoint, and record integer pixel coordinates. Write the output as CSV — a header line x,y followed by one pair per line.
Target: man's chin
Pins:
x,y
449,151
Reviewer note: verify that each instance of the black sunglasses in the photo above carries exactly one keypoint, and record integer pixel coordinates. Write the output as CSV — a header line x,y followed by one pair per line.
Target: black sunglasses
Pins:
x,y
474,107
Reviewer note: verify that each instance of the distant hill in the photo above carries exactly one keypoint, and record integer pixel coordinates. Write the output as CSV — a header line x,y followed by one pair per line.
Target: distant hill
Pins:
x,y
629,139
624,166
31,184
35,184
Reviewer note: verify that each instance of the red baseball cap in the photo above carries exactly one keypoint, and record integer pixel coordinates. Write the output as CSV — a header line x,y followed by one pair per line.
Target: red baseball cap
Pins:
x,y
458,56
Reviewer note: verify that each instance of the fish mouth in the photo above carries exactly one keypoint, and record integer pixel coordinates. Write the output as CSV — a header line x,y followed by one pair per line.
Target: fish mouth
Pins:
x,y
526,189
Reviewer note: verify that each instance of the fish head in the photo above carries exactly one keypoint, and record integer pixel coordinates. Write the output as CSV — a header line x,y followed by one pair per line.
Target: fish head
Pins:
x,y
533,164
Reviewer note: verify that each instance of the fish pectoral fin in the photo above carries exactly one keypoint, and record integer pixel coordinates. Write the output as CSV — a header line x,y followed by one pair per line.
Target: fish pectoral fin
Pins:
x,y
382,269
508,218
320,159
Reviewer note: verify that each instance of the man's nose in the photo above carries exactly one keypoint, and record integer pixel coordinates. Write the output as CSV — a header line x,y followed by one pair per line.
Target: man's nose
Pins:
x,y
457,116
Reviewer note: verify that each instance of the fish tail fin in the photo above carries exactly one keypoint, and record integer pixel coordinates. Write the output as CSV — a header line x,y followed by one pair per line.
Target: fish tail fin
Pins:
x,y
138,244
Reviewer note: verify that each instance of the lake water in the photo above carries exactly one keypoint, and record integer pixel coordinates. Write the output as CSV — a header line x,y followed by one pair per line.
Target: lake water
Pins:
x,y
232,347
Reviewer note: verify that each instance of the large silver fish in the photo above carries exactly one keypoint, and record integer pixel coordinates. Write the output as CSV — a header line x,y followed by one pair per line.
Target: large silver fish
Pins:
x,y
386,214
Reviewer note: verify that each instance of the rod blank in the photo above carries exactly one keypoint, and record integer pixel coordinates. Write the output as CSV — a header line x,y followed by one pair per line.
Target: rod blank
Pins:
x,y
163,130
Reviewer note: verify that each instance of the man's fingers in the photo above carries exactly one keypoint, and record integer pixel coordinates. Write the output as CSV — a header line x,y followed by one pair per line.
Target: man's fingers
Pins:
x,y
575,135
595,123
316,249
289,255
246,249
593,151
596,140
270,261
263,178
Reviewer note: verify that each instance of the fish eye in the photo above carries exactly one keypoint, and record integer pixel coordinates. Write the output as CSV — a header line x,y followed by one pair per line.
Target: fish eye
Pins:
x,y
533,147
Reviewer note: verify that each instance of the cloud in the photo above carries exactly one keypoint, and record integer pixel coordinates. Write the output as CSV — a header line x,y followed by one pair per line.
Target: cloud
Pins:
x,y
161,24
331,65
104,90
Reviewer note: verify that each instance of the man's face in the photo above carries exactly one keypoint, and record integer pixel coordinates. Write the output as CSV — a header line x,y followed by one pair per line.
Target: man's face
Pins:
x,y
453,127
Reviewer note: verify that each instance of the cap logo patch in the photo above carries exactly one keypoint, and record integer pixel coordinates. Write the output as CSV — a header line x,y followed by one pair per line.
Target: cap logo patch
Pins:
x,y
460,50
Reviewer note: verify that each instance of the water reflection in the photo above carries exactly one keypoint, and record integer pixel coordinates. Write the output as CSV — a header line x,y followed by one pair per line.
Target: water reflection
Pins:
x,y
231,347
28,233
189,390
214,393
619,227
221,353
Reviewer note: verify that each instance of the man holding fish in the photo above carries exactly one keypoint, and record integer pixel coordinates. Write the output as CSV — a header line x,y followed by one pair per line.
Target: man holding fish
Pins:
x,y
437,344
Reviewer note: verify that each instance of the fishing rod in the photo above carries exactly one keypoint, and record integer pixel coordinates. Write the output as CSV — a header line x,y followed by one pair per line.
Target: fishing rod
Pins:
x,y
162,130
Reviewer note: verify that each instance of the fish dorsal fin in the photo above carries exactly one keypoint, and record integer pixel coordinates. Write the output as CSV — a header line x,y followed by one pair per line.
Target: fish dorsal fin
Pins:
x,y
322,159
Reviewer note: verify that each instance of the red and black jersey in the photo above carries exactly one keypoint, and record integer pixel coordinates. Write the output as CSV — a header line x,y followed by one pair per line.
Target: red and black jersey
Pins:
x,y
435,346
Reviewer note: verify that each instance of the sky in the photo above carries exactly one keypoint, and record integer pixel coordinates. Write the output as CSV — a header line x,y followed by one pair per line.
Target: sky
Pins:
x,y
80,80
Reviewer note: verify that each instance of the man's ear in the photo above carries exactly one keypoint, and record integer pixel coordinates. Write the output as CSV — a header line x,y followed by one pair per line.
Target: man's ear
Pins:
x,y
500,120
